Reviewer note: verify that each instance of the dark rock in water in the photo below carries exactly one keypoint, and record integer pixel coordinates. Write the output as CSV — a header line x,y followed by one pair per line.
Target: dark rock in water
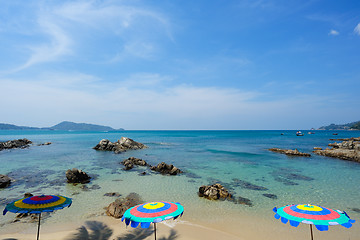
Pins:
x,y
242,200
77,176
214,192
19,143
248,185
290,152
142,174
4,181
286,176
355,210
131,161
112,194
45,144
191,175
120,146
269,195
164,168
117,209
285,181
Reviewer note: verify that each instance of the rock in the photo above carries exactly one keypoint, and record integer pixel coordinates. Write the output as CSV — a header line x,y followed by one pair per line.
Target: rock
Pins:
x,y
117,209
164,168
44,144
4,181
317,148
131,161
290,152
242,200
269,195
121,145
112,194
77,176
19,143
248,185
349,149
214,192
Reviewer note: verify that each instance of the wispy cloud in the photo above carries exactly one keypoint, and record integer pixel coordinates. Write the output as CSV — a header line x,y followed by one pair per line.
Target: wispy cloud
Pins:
x,y
357,29
333,32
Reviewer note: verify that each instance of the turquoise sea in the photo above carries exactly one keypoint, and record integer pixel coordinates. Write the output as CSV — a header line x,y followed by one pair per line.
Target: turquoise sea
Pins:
x,y
237,159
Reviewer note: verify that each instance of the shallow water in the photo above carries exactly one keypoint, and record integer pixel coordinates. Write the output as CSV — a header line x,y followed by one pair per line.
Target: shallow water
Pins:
x,y
237,159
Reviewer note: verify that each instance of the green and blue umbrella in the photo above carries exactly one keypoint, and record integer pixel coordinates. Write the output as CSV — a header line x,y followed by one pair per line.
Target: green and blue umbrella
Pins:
x,y
153,212
319,216
37,205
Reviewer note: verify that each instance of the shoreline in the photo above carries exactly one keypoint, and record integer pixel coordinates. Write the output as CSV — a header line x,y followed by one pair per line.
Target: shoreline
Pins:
x,y
245,227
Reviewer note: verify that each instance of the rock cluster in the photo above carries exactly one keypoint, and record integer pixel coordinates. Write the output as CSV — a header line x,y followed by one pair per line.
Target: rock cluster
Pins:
x,y
164,168
19,143
4,181
118,208
131,161
290,152
214,192
77,176
120,146
348,149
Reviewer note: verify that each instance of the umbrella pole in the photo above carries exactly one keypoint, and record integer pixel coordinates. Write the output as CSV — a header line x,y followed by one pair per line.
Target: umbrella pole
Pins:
x,y
311,232
38,227
155,230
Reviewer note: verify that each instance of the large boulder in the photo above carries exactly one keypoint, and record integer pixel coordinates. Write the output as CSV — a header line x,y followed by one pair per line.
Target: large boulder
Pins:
x,y
164,168
4,181
118,208
77,176
214,192
131,161
348,149
120,146
290,152
19,143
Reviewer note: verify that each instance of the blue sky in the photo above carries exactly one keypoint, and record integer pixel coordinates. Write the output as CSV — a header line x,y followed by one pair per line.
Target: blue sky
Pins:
x,y
174,64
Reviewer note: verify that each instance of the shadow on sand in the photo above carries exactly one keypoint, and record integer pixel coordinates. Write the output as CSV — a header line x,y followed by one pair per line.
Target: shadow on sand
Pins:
x,y
94,230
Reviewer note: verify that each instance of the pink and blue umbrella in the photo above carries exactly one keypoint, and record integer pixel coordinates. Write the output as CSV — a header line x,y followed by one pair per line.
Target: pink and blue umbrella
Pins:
x,y
37,205
319,216
153,212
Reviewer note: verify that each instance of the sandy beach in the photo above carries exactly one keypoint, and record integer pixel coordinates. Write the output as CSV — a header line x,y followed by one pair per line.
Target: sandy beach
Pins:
x,y
245,228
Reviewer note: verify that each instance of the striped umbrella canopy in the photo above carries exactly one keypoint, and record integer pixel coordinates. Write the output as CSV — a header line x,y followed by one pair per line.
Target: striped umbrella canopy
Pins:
x,y
319,216
152,212
37,205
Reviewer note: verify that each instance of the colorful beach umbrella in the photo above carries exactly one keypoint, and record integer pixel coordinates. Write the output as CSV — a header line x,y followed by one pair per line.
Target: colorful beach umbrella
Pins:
x,y
37,205
319,216
153,212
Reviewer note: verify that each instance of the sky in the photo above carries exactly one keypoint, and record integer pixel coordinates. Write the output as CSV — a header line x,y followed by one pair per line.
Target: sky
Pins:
x,y
182,65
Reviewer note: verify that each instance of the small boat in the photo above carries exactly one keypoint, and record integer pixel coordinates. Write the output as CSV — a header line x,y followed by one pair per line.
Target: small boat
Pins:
x,y
299,133
311,133
335,134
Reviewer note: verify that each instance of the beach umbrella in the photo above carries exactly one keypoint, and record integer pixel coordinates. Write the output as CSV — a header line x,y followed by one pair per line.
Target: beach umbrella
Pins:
x,y
152,212
37,205
319,216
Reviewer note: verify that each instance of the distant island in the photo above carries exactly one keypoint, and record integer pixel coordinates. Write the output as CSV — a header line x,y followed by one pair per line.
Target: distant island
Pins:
x,y
63,126
348,126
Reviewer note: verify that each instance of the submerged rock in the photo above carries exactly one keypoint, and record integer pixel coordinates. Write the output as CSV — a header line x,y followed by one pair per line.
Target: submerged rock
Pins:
x,y
242,200
348,149
290,152
4,181
118,208
120,146
131,161
164,168
247,185
19,143
112,194
77,176
214,192
269,195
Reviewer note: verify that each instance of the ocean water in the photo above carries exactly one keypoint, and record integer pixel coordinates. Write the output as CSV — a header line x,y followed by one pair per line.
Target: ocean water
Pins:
x,y
237,159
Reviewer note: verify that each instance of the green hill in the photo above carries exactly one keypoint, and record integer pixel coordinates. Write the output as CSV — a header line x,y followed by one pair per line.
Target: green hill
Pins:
x,y
5,126
347,126
71,126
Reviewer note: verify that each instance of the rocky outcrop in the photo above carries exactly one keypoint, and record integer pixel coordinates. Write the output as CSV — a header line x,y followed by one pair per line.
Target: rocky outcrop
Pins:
x,y
117,209
4,181
131,161
290,152
77,176
349,149
19,143
44,144
120,146
164,168
214,192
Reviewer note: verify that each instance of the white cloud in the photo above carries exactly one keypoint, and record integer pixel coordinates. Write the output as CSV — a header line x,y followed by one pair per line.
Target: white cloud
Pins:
x,y
357,29
333,32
